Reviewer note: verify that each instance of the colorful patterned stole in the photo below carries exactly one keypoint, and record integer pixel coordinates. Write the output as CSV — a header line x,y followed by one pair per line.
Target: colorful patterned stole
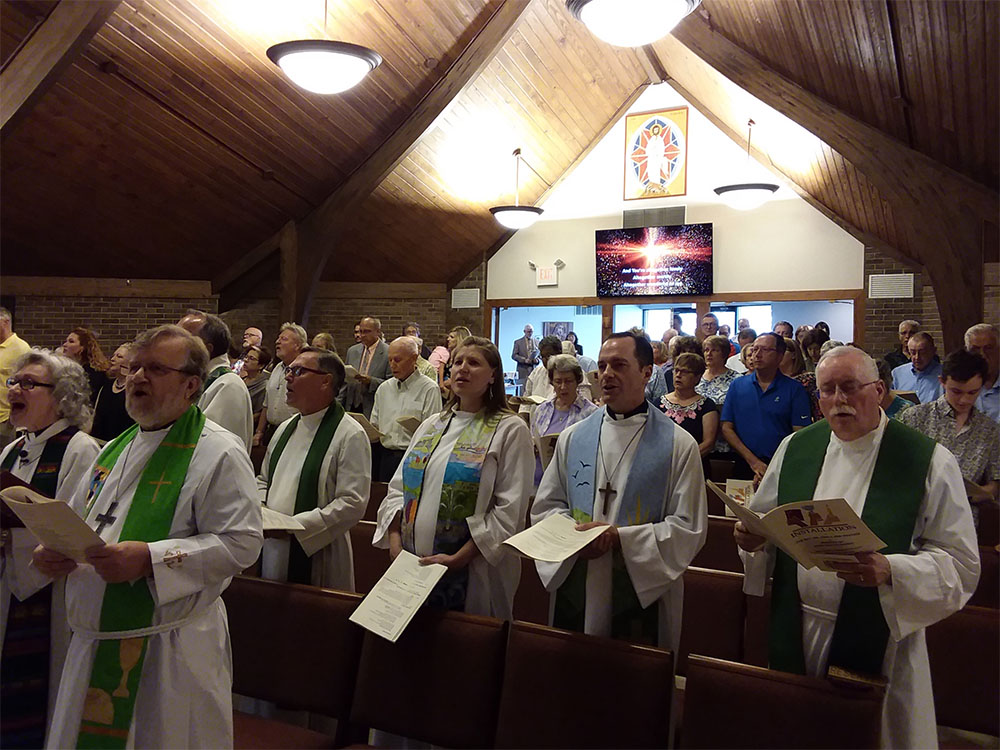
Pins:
x,y
891,506
459,493
129,606
649,476
307,493
46,474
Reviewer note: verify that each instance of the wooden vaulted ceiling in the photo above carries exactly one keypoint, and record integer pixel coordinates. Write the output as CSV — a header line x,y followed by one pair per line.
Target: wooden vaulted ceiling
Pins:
x,y
172,148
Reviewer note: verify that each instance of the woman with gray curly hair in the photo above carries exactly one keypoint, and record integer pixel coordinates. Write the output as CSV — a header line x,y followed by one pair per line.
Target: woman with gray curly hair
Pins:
x,y
49,398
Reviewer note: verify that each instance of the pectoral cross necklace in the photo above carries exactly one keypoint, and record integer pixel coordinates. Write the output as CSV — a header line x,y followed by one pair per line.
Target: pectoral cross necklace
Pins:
x,y
608,493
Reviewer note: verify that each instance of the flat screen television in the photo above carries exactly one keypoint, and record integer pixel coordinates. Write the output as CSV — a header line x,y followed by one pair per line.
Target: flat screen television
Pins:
x,y
653,261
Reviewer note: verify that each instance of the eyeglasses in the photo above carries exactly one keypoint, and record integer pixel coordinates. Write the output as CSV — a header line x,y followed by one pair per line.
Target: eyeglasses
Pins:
x,y
848,389
27,384
154,369
297,370
678,371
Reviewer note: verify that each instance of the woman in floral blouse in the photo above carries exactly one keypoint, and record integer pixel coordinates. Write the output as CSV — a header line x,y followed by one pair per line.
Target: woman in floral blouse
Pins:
x,y
793,365
690,410
714,384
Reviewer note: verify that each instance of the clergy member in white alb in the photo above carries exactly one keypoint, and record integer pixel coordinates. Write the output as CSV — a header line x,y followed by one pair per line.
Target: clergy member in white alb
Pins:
x,y
224,398
317,469
173,498
631,468
869,618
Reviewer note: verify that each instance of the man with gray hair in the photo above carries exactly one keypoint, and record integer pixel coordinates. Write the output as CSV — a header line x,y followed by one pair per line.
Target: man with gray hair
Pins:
x,y
369,360
900,356
922,373
407,395
11,347
318,470
291,339
869,617
225,398
984,339
174,500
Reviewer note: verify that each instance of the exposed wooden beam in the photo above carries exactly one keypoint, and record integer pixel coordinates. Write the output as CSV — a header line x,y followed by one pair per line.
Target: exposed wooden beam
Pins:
x,y
390,290
53,46
247,262
289,289
66,286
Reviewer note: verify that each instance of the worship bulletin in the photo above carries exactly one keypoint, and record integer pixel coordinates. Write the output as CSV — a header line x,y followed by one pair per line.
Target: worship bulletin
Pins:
x,y
397,596
52,522
815,533
410,424
373,434
553,539
275,521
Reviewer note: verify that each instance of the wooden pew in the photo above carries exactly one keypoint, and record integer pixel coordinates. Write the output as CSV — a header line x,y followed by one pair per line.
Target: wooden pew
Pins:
x,y
375,498
987,593
720,551
714,614
370,563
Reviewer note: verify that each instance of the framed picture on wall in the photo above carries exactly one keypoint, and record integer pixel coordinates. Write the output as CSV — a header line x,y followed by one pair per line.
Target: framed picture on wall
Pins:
x,y
559,330
656,154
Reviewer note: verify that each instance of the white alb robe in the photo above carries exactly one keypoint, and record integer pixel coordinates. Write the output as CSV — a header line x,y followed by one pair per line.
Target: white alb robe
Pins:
x,y
501,503
656,554
185,690
933,581
341,502
227,403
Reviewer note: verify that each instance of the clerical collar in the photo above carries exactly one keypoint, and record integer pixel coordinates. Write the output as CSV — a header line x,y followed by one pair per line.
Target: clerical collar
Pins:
x,y
640,409
53,429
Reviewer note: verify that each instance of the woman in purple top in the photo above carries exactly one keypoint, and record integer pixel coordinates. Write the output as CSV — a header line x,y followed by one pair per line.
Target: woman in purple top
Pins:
x,y
566,407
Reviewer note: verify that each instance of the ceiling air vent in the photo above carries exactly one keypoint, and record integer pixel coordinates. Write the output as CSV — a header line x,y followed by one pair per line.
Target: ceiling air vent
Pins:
x,y
653,217
464,298
889,285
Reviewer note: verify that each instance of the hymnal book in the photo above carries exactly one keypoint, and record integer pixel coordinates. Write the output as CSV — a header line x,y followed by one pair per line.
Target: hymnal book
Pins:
x,y
553,539
909,396
410,424
532,399
53,522
351,372
546,447
397,596
822,534
740,490
373,434
276,521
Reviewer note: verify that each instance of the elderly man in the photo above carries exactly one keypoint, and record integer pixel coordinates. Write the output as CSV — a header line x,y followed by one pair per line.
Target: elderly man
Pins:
x,y
900,355
173,498
526,354
762,409
11,348
291,338
631,468
370,358
984,339
225,400
407,394
871,616
251,337
783,328
709,327
318,470
922,374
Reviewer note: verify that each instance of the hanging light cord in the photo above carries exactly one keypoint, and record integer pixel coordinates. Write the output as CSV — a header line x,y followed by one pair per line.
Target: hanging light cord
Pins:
x,y
517,174
750,124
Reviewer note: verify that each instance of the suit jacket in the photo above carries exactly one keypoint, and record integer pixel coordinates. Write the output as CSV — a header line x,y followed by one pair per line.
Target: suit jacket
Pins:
x,y
526,362
356,397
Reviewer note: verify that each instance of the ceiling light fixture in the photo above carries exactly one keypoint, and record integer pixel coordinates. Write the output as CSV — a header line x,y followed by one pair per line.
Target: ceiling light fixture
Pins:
x,y
630,23
324,66
518,216
746,196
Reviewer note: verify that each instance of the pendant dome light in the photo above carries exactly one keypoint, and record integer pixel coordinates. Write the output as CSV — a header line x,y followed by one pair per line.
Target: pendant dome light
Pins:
x,y
631,23
746,196
518,216
323,66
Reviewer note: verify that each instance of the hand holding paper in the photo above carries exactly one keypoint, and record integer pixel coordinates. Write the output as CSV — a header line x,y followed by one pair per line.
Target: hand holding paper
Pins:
x,y
395,599
555,538
52,522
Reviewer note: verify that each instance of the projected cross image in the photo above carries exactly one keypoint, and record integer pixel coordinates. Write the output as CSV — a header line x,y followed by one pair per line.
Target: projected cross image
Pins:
x,y
654,261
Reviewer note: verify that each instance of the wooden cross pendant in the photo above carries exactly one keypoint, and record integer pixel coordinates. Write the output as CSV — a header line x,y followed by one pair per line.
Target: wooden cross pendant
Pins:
x,y
103,519
607,494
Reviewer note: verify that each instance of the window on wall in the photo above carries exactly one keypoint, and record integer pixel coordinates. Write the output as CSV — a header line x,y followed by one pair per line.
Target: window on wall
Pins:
x,y
556,320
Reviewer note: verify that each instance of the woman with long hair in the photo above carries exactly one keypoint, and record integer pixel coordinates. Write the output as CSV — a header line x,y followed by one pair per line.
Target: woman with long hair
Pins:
x,y
793,364
462,489
110,416
81,346
456,336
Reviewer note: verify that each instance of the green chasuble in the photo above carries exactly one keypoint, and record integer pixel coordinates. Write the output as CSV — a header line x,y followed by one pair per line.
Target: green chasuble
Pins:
x,y
894,497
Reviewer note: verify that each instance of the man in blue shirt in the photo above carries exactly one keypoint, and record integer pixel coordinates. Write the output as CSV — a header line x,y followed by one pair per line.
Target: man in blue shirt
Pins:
x,y
922,373
984,339
762,408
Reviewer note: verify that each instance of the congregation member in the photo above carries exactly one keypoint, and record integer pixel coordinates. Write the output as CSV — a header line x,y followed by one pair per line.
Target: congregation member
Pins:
x,y
744,338
255,363
823,326
82,347
439,356
794,366
111,417
370,358
50,401
922,374
12,347
477,454
800,334
714,384
762,409
567,405
954,421
984,339
584,389
694,412
174,500
357,333
870,617
901,355
661,353
456,336
571,337
678,325
252,336
709,327
526,354
412,328
742,324
225,399
317,469
667,336
324,340
631,468
812,347
892,404
538,383
784,329
678,346
291,339
407,393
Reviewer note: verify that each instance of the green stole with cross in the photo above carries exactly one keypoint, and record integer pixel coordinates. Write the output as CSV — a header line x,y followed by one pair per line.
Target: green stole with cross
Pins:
x,y
129,606
891,506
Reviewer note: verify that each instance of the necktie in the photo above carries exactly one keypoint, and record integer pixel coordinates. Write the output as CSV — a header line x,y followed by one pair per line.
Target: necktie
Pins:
x,y
365,361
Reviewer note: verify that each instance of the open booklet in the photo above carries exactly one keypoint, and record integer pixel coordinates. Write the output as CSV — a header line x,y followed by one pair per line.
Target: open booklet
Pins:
x,y
351,372
546,447
815,533
277,521
740,490
553,539
530,399
373,434
397,596
53,522
410,424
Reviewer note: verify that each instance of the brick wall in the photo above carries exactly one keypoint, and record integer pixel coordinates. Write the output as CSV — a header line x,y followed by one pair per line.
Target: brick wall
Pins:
x,y
883,316
471,318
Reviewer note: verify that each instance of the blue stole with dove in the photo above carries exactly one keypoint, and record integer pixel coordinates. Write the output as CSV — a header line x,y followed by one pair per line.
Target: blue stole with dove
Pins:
x,y
642,502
